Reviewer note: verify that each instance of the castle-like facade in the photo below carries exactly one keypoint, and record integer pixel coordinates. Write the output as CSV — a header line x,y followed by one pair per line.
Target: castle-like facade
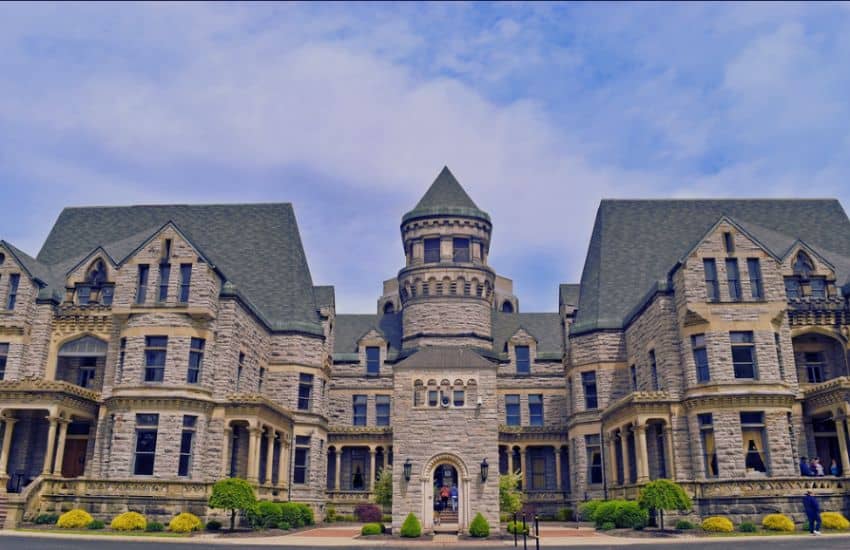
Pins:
x,y
148,351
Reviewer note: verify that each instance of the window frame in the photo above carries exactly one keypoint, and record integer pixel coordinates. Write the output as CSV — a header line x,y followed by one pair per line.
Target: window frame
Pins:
x,y
593,451
184,463
513,410
373,364
142,275
4,358
305,391
588,379
753,424
197,346
12,296
821,292
301,460
383,418
712,284
793,288
150,371
185,283
706,429
744,344
428,256
458,398
756,281
465,252
523,366
816,367
536,417
653,370
359,409
733,279
164,278
146,424
699,350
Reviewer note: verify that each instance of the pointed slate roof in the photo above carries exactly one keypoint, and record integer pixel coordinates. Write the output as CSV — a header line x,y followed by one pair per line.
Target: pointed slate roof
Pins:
x,y
635,244
445,197
445,358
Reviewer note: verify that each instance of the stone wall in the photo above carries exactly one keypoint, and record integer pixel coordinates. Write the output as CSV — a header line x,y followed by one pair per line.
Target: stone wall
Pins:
x,y
447,317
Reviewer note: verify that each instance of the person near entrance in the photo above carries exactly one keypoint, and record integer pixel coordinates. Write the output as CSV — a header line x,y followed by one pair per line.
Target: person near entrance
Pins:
x,y
454,498
812,508
444,497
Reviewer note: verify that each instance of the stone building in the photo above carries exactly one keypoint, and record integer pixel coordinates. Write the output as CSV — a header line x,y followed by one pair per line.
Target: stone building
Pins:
x,y
148,351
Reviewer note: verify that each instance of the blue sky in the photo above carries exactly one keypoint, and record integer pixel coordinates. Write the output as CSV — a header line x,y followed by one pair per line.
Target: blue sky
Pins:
x,y
350,110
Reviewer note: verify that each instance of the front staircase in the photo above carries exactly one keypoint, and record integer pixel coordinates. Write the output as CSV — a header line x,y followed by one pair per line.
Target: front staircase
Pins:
x,y
2,509
448,522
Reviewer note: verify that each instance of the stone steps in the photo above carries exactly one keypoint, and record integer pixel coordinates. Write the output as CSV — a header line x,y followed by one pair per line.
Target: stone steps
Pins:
x,y
2,510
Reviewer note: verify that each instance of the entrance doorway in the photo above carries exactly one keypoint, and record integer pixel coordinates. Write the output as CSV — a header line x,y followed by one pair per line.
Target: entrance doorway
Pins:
x,y
446,494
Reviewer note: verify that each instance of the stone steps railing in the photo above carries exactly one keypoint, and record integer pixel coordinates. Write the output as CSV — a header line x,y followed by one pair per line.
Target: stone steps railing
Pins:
x,y
763,487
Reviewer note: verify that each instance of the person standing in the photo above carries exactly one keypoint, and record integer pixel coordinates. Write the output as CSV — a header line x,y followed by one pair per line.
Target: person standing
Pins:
x,y
805,470
454,498
444,497
812,508
818,468
833,468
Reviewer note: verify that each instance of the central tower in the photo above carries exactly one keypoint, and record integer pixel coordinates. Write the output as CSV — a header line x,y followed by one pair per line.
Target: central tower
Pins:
x,y
446,287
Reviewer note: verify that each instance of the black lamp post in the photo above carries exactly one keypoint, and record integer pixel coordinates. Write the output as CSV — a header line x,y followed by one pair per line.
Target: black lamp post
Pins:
x,y
485,468
408,467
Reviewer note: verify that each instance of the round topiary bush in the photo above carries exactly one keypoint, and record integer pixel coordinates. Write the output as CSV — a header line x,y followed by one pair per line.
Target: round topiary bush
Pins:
x,y
834,520
129,521
479,528
411,528
777,522
154,527
371,529
46,519
516,527
74,519
747,527
184,523
717,524
684,525
96,524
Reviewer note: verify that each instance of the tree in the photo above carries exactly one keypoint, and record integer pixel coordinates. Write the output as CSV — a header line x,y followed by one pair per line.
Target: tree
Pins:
x,y
510,498
663,494
384,488
232,494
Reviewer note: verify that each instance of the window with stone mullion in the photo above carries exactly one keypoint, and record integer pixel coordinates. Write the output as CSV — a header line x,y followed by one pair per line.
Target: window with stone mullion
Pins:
x,y
12,298
4,353
359,412
512,410
744,355
155,356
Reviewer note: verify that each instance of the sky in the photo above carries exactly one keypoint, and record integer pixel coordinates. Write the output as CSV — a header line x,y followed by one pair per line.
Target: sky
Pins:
x,y
349,111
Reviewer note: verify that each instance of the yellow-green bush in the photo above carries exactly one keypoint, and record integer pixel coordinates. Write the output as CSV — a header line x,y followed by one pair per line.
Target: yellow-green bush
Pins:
x,y
129,521
184,523
717,524
76,519
777,522
834,520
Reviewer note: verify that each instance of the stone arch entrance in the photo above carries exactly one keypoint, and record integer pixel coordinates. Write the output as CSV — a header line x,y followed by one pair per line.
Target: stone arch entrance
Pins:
x,y
445,468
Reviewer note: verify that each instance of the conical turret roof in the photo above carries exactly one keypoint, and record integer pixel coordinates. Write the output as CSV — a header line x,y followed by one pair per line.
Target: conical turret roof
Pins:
x,y
445,197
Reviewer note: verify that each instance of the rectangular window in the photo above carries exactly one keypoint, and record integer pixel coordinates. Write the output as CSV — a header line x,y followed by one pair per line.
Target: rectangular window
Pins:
x,y
523,360
373,360
14,280
305,389
729,243
734,279
155,352
743,355
535,410
359,410
107,292
709,450
653,370
4,355
85,376
512,410
185,465
146,427
432,251
122,354
460,250
142,284
779,355
240,368
633,374
756,286
815,363
302,459
793,289
382,410
164,275
712,288
185,282
83,295
261,377
432,398
588,381
594,458
196,360
818,288
752,431
459,398
700,357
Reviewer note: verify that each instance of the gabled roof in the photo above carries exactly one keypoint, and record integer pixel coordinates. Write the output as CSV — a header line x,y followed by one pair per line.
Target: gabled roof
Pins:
x,y
445,358
544,327
34,268
350,328
635,244
445,197
256,247
568,294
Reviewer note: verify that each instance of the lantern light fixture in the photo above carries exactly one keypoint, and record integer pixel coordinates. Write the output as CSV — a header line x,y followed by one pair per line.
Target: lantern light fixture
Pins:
x,y
485,468
408,468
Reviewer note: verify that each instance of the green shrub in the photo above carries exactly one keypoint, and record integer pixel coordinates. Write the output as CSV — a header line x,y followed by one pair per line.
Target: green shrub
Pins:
x,y
264,514
516,528
154,527
664,494
284,525
129,521
588,508
371,529
387,518
717,524
96,524
46,519
564,514
232,494
684,525
346,517
479,528
607,526
184,523
330,514
625,514
411,528
747,527
213,525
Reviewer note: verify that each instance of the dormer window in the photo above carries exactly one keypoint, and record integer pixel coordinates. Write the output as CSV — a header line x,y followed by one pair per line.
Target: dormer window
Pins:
x,y
460,250
729,243
523,360
803,265
95,288
373,360
164,275
818,285
507,307
432,251
166,250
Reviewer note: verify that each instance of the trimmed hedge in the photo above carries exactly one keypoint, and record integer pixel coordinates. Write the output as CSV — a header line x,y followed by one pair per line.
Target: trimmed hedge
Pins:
x,y
625,514
411,528
834,520
266,514
479,528
587,509
564,514
96,524
371,529
129,521
46,519
154,527
684,525
747,527
74,519
717,524
185,523
777,522
517,528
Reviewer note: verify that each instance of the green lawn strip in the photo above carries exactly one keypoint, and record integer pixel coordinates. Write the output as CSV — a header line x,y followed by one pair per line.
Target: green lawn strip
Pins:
x,y
773,533
103,533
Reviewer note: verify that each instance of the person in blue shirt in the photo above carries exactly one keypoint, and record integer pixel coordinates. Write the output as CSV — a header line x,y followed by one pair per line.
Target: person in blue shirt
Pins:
x,y
812,508
454,498
805,469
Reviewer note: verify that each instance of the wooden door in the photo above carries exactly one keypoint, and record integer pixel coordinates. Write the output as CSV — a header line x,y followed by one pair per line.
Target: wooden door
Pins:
x,y
74,461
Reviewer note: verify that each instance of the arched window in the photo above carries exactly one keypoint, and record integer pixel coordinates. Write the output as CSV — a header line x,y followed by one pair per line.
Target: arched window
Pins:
x,y
389,308
96,274
803,266
507,307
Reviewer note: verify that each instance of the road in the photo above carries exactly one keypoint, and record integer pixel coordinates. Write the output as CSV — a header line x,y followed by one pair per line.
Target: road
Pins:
x,y
37,543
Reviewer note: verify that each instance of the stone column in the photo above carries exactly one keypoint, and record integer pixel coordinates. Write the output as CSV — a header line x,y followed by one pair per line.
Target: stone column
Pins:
x,y
511,460
269,455
384,458
522,461
371,469
283,462
842,445
612,457
51,444
60,448
624,451
7,444
558,482
226,452
669,452
641,454
253,453
338,468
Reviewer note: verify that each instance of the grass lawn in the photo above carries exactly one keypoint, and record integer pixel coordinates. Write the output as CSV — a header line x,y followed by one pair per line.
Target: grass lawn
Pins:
x,y
104,532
